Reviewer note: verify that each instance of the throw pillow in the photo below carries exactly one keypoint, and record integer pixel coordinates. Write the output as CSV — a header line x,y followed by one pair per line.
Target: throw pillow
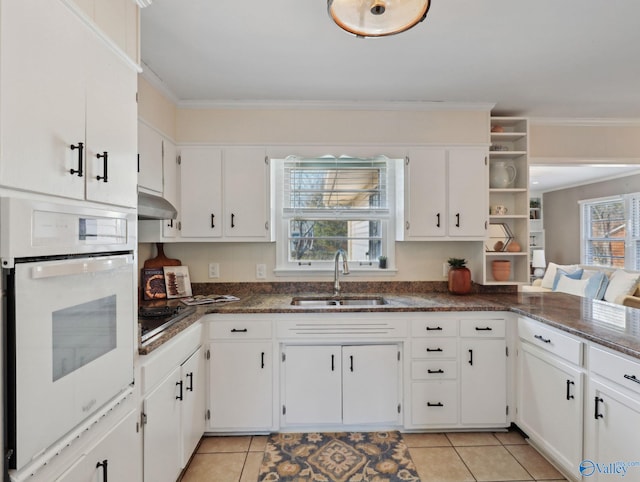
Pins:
x,y
621,284
560,273
571,286
550,274
596,286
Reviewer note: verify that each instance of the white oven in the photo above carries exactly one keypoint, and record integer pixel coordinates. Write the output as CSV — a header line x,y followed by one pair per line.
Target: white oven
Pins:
x,y
69,275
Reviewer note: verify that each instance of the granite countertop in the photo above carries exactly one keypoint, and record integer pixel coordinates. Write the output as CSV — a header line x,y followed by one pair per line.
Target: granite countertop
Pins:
x,y
610,325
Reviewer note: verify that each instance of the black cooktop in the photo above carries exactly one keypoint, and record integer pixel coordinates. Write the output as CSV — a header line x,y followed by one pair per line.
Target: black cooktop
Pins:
x,y
154,320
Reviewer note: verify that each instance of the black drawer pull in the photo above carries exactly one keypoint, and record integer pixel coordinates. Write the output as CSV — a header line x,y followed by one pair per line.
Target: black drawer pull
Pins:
x,y
439,370
80,148
262,360
190,386
569,396
437,328
105,163
486,328
104,465
541,338
596,414
632,378
235,330
438,218
471,357
431,350
439,404
213,221
179,396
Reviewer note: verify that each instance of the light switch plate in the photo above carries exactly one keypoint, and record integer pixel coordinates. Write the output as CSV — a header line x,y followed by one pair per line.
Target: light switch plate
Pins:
x,y
214,270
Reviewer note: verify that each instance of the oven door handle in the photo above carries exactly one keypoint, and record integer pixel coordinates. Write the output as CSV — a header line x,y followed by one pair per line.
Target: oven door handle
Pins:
x,y
82,266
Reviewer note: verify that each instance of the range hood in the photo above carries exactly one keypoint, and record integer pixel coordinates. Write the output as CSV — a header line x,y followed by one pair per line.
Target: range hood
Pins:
x,y
151,206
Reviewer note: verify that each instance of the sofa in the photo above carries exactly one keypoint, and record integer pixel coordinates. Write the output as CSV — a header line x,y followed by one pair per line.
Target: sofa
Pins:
x,y
596,282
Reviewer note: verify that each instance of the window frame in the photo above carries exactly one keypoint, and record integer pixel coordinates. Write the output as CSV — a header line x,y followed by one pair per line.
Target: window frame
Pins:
x,y
284,267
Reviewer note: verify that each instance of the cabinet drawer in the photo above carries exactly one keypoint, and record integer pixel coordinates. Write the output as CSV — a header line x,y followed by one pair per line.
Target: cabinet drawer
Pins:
x,y
435,327
434,403
434,348
490,328
620,370
239,330
551,340
434,369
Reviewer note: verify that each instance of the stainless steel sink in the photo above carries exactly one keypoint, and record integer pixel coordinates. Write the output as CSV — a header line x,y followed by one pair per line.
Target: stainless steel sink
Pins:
x,y
329,301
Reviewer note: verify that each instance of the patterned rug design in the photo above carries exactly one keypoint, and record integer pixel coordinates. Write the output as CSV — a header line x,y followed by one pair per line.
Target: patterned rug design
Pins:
x,y
337,457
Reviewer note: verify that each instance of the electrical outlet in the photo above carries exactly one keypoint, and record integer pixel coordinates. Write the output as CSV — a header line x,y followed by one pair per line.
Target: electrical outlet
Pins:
x,y
261,271
214,270
445,269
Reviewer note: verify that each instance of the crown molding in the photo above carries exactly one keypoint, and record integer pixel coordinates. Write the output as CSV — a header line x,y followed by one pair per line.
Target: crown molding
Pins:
x,y
585,122
150,76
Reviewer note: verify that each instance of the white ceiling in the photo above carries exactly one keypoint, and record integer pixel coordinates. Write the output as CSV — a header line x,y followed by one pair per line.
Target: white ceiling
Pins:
x,y
544,178
544,58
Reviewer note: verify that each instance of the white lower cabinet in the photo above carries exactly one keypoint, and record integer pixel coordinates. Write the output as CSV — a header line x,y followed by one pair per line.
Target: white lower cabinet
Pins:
x,y
115,457
550,400
349,385
173,405
240,375
612,418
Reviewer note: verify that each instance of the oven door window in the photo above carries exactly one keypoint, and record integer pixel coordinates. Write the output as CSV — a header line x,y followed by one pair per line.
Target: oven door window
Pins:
x,y
83,333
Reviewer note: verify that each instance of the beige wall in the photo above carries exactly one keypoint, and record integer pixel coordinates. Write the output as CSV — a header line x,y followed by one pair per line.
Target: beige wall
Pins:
x,y
156,109
561,215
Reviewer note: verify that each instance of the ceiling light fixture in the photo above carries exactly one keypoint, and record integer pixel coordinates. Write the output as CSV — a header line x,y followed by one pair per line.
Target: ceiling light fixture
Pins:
x,y
377,18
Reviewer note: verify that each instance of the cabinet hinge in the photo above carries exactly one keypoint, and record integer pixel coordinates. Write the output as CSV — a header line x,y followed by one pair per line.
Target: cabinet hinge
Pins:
x,y
266,160
284,357
406,160
162,144
179,160
207,354
266,225
486,225
506,349
207,415
137,427
486,160
507,411
143,418
398,355
284,410
399,408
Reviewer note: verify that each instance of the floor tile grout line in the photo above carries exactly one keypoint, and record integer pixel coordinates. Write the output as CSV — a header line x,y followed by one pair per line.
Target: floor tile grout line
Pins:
x,y
464,463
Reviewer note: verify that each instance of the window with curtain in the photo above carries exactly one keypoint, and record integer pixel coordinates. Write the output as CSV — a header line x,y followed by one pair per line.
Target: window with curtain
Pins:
x,y
331,203
611,231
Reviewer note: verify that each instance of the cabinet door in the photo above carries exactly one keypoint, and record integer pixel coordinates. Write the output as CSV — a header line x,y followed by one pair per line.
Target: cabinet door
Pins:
x,y
468,192
312,385
150,158
550,405
483,382
42,97
200,192
241,386
117,455
111,127
613,434
425,192
162,436
193,407
371,384
246,193
170,228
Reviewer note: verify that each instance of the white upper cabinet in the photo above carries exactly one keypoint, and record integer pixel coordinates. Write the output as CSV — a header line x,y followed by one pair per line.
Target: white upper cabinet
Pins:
x,y
445,194
150,158
66,97
224,194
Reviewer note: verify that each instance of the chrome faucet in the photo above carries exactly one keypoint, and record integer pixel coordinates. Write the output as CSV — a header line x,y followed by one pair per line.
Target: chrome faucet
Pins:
x,y
336,270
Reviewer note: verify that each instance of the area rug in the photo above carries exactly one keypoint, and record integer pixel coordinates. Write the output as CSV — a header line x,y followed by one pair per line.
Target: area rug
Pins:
x,y
337,457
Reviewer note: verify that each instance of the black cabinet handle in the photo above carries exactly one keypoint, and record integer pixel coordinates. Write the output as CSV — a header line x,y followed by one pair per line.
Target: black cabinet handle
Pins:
x,y
333,365
213,224
439,404
457,220
632,378
105,162
170,224
596,414
471,357
430,350
541,338
103,464
233,218
438,220
179,396
351,359
262,360
190,377
80,148
235,330
486,328
439,370
569,396
437,328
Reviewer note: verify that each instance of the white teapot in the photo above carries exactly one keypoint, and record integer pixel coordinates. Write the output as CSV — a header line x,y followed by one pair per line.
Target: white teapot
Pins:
x,y
501,175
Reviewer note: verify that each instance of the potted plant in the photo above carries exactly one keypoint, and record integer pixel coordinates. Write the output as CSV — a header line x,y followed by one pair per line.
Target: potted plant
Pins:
x,y
459,276
382,262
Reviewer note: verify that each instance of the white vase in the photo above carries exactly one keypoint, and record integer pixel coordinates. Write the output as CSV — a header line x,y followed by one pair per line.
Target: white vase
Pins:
x,y
501,175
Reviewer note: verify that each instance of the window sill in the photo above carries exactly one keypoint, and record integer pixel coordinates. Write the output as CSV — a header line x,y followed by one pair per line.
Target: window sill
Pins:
x,y
353,272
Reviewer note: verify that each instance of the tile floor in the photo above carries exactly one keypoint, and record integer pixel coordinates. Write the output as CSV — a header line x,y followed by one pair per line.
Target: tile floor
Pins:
x,y
439,457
